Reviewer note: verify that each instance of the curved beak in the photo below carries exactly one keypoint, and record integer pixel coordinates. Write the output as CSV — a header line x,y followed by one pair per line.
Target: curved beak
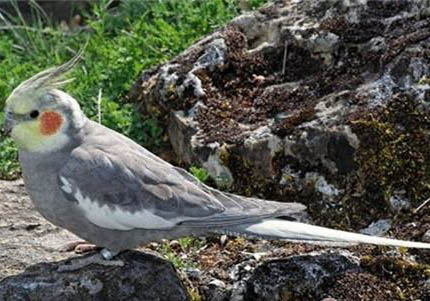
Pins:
x,y
8,124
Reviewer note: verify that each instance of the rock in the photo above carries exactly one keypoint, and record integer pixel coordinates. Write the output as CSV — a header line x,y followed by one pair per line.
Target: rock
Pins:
x,y
399,203
320,102
223,240
215,290
299,275
425,285
281,279
193,273
378,228
144,277
426,236
240,274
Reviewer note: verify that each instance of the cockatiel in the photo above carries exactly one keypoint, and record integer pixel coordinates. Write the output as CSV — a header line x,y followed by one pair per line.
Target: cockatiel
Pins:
x,y
112,192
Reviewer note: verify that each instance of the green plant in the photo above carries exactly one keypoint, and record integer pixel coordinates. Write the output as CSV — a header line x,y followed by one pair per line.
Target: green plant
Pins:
x,y
179,260
254,4
9,167
200,173
189,242
176,254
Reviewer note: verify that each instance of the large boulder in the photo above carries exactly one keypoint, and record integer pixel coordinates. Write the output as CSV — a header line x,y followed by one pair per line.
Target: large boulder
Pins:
x,y
300,275
320,102
143,277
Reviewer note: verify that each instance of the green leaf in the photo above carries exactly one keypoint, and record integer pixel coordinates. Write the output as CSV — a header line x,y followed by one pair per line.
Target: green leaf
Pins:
x,y
200,173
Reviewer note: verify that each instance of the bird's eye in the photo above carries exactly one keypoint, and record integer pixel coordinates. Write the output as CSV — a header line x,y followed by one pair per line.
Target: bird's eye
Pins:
x,y
34,114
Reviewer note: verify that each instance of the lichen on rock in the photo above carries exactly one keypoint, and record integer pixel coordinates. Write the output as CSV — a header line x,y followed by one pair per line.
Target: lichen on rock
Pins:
x,y
336,89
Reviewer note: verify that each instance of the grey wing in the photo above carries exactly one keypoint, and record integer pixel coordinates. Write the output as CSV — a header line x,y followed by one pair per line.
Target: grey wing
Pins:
x,y
252,209
131,189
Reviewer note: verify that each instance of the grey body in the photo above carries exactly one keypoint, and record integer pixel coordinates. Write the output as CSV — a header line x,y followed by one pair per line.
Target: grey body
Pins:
x,y
49,201
41,175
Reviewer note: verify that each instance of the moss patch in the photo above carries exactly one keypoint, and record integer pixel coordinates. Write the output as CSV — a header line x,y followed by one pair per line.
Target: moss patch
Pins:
x,y
247,181
393,157
394,151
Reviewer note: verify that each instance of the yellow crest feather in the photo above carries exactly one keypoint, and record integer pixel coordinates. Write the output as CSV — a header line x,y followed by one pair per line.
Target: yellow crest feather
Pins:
x,y
48,79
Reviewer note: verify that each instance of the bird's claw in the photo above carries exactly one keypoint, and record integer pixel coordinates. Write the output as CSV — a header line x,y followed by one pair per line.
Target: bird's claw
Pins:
x,y
78,246
108,254
104,257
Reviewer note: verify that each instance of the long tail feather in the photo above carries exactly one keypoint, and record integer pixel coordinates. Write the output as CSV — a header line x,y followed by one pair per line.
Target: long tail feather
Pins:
x,y
300,232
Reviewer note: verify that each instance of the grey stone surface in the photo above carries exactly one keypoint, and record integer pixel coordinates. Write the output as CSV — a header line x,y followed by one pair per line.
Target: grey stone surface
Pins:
x,y
298,275
143,277
378,228
321,102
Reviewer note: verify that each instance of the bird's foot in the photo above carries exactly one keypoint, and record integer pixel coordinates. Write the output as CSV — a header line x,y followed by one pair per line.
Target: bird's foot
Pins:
x,y
79,247
104,257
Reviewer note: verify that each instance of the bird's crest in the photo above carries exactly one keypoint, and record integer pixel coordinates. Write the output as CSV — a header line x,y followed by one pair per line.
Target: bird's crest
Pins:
x,y
48,79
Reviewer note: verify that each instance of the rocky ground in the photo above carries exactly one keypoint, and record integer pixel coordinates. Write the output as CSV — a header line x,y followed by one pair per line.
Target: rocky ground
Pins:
x,y
222,268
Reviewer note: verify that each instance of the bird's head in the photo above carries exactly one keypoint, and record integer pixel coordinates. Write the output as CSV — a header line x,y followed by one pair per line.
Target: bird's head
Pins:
x,y
39,117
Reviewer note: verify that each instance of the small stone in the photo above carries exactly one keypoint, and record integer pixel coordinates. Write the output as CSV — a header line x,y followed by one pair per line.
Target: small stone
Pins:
x,y
174,244
398,203
153,246
258,79
426,236
215,290
378,228
193,273
257,256
223,240
217,283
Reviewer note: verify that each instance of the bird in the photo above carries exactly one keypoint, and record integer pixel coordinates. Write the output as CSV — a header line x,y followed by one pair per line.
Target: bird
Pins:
x,y
114,193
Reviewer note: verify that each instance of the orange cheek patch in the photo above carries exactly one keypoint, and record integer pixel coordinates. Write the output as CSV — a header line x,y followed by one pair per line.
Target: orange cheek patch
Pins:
x,y
50,122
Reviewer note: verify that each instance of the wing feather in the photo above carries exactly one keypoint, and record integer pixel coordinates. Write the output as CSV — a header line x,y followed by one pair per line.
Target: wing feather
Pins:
x,y
120,185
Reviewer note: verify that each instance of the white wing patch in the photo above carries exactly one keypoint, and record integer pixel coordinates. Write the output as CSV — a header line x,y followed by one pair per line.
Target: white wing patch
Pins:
x,y
67,187
115,218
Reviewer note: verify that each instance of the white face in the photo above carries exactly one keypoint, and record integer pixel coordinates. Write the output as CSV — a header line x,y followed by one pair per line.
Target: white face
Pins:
x,y
38,115
35,127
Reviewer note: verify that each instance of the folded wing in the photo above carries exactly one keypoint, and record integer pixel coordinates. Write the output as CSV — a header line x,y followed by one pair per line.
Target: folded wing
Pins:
x,y
124,188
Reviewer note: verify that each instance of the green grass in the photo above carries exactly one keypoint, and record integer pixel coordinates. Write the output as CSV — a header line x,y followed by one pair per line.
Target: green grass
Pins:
x,y
9,167
187,245
135,36
200,173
